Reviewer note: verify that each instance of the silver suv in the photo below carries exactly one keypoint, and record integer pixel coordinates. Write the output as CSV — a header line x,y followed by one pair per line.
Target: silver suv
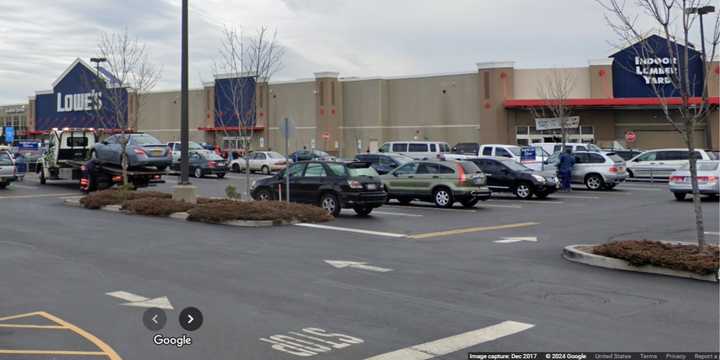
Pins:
x,y
7,169
597,170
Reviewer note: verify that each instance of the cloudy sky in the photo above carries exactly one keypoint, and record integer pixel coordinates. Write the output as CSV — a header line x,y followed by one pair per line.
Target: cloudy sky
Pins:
x,y
40,38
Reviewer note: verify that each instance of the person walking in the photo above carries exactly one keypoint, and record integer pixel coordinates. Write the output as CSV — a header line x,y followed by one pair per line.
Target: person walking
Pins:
x,y
567,161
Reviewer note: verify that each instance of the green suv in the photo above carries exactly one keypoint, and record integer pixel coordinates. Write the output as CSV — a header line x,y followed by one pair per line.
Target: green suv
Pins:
x,y
441,182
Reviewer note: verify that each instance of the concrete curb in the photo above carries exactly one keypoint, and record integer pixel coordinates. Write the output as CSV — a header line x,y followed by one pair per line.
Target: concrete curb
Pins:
x,y
574,253
75,202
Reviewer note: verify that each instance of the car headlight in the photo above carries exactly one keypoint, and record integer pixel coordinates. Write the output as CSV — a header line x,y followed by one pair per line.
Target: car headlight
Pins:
x,y
253,184
538,178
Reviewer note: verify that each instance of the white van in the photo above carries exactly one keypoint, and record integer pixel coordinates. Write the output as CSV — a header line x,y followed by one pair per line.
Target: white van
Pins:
x,y
660,163
418,150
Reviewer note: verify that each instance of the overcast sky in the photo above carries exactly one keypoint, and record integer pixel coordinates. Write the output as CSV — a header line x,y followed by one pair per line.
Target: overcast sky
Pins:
x,y
40,38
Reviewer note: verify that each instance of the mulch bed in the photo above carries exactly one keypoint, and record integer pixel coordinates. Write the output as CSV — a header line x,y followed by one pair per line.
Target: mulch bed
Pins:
x,y
228,210
672,256
154,203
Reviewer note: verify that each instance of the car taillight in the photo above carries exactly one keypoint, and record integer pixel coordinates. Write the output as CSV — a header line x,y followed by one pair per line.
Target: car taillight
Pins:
x,y
212,164
706,179
461,173
117,179
676,179
613,169
140,152
354,184
712,179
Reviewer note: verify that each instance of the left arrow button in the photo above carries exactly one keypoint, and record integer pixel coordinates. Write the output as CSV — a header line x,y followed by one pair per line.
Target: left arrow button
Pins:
x,y
154,319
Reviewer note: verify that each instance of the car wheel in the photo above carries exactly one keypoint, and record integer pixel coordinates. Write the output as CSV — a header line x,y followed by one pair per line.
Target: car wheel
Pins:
x,y
594,182
523,191
265,170
363,210
220,175
679,196
470,203
236,168
630,174
330,203
198,173
443,198
3,185
263,195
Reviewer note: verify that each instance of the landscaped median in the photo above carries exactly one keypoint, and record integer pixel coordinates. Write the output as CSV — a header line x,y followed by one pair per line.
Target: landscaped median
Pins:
x,y
207,210
655,257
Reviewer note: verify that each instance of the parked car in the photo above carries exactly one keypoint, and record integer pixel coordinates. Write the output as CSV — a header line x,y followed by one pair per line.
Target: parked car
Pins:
x,y
331,185
506,175
266,162
597,170
418,150
307,155
174,147
441,182
660,163
7,169
708,176
142,150
203,163
626,154
553,148
383,163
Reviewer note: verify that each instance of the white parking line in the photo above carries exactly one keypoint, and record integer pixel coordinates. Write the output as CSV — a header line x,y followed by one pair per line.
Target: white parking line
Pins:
x,y
16,185
428,208
396,214
501,206
639,188
575,197
359,231
712,233
533,202
455,343
36,196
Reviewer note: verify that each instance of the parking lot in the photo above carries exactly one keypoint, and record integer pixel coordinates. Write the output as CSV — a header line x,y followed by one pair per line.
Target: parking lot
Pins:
x,y
407,282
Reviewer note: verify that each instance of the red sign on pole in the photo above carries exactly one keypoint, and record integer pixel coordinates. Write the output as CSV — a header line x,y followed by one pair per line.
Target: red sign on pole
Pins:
x,y
326,135
630,136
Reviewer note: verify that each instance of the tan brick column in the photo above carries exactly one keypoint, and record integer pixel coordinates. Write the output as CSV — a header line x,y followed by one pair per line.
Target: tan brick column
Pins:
x,y
496,86
262,110
328,112
601,85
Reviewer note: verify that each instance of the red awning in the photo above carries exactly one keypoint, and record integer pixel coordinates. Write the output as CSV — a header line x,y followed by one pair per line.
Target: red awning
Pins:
x,y
109,131
231,128
614,102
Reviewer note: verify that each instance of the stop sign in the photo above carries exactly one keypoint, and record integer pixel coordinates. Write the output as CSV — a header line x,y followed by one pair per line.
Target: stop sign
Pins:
x,y
630,136
326,135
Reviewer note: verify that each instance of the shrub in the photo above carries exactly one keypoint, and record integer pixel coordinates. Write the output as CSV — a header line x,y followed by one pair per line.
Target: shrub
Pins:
x,y
221,211
155,206
231,192
102,198
671,256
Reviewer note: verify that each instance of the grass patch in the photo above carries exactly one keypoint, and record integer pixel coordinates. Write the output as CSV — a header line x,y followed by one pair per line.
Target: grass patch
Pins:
x,y
155,206
220,211
672,256
102,198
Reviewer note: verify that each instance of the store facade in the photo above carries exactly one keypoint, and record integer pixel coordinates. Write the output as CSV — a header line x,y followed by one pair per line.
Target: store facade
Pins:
x,y
496,103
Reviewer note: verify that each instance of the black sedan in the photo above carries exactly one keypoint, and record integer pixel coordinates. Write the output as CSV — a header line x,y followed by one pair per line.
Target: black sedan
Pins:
x,y
205,163
330,185
510,176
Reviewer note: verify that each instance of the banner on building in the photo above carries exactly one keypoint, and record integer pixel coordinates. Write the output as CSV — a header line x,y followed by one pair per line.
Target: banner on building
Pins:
x,y
571,122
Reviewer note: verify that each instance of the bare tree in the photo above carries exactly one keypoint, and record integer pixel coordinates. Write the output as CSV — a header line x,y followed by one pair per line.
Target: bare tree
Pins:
x,y
555,90
246,60
674,19
128,71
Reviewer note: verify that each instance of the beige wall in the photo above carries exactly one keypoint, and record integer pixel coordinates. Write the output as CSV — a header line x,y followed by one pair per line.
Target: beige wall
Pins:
x,y
159,114
295,101
527,82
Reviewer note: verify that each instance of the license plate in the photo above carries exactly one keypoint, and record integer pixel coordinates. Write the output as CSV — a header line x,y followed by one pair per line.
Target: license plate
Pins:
x,y
372,187
156,153
221,163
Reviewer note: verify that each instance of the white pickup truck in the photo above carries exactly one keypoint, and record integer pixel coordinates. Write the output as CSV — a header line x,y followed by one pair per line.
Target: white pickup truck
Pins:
x,y
7,168
503,151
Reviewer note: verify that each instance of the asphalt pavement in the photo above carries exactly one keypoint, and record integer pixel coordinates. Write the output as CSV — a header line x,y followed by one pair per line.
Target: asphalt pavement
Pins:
x,y
408,282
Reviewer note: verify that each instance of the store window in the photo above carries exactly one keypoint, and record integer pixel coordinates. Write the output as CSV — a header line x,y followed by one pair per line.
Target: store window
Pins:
x,y
525,135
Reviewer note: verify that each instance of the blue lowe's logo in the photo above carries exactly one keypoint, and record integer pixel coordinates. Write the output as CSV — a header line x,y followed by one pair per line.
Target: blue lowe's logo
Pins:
x,y
79,102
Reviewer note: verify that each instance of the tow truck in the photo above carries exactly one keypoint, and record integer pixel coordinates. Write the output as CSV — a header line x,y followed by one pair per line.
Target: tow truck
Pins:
x,y
68,153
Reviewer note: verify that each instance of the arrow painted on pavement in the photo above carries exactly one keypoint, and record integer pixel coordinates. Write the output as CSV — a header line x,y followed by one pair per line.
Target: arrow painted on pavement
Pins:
x,y
509,240
141,301
361,265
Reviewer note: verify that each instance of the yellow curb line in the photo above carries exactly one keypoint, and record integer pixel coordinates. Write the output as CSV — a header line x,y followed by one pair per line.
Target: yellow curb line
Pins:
x,y
470,230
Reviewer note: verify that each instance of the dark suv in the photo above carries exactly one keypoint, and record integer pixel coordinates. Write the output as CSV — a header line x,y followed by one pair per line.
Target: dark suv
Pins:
x,y
511,176
384,163
331,185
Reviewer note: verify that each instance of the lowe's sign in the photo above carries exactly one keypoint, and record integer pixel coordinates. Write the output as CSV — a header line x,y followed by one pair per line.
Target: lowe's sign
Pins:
x,y
648,67
81,99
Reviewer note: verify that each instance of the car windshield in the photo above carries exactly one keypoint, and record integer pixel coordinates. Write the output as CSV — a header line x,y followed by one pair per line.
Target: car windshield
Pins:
x,y
275,155
514,165
703,166
191,146
400,158
368,171
144,139
514,149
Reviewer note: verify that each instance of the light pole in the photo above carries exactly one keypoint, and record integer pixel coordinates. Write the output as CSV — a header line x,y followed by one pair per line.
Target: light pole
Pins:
x,y
97,61
703,11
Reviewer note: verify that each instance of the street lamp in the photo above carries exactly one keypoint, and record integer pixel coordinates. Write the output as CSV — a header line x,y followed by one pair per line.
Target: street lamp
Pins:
x,y
700,11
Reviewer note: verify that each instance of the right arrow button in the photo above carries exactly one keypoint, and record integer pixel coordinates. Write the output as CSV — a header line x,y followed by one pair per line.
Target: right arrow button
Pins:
x,y
191,319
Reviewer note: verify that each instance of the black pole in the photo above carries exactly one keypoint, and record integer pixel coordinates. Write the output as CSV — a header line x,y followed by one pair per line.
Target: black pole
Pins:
x,y
184,138
704,55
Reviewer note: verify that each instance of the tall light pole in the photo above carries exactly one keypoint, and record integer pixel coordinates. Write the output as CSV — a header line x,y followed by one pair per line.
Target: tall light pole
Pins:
x,y
703,11
97,61
184,131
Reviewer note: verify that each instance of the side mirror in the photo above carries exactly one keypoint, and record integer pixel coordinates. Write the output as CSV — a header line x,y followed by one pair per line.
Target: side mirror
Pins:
x,y
395,174
381,150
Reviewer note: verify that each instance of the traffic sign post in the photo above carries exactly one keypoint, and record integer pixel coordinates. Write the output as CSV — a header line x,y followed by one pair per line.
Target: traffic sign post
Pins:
x,y
287,129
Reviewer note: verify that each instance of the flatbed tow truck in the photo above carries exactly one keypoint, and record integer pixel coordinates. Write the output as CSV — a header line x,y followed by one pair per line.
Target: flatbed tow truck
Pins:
x,y
68,154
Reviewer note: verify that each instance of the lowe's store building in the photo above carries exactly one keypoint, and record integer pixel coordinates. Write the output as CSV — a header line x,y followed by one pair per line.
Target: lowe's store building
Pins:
x,y
345,115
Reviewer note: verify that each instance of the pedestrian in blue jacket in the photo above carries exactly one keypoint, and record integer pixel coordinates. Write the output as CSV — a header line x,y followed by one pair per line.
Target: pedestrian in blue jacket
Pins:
x,y
567,161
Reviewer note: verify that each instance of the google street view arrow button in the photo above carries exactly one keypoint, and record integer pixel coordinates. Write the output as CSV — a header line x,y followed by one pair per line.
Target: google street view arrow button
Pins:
x,y
191,319
154,319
